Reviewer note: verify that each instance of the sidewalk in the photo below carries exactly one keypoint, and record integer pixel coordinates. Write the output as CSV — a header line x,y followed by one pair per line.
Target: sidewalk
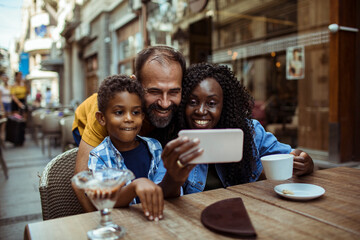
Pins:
x,y
19,194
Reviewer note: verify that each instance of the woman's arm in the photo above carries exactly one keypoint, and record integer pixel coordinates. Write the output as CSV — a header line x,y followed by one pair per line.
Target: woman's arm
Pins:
x,y
17,101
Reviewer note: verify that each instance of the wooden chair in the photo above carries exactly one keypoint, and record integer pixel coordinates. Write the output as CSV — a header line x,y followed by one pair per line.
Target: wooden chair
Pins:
x,y
58,199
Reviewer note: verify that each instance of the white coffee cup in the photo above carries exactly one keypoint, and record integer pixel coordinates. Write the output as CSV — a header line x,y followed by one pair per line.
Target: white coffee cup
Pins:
x,y
278,166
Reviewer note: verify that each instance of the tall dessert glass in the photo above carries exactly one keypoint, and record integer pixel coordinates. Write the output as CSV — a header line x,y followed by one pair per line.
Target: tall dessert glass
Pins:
x,y
102,188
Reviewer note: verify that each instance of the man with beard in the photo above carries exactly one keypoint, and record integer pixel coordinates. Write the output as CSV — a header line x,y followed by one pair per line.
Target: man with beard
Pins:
x,y
160,70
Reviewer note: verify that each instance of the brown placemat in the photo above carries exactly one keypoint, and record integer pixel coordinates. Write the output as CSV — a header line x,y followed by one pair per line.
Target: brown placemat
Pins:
x,y
228,217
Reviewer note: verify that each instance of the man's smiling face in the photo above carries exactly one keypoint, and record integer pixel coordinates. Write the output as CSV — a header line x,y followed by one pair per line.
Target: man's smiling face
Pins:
x,y
162,85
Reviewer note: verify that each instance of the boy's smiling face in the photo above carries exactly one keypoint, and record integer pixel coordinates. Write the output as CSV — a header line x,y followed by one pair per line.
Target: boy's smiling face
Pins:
x,y
123,119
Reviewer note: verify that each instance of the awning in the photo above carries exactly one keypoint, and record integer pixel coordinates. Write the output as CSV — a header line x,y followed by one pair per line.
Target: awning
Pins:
x,y
38,74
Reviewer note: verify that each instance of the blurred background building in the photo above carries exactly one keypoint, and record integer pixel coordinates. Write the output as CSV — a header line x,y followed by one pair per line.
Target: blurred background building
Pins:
x,y
5,62
72,45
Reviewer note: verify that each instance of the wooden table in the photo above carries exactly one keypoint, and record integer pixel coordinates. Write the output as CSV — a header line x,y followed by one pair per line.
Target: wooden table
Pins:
x,y
335,215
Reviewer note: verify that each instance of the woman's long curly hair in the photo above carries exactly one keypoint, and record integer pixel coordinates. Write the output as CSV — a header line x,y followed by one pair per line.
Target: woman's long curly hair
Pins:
x,y
236,113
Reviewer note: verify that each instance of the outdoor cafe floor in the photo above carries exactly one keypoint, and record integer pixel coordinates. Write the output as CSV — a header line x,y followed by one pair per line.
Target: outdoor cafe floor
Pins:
x,y
19,194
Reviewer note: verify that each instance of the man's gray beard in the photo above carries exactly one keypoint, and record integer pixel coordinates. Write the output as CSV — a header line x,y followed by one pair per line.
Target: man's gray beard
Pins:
x,y
159,122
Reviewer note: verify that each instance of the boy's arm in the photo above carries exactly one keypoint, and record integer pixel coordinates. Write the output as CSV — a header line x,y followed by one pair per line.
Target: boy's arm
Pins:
x,y
126,195
150,195
82,159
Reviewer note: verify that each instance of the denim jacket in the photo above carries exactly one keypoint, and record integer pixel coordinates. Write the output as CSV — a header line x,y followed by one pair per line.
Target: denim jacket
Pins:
x,y
266,144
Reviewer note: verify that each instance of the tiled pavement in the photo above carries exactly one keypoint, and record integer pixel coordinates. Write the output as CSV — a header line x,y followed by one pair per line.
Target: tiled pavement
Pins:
x,y
19,194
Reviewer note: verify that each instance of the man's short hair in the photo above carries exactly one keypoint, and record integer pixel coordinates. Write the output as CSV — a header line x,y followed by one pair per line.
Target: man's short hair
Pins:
x,y
161,54
115,84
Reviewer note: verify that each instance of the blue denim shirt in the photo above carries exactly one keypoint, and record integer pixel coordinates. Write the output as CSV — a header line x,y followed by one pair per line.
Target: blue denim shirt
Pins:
x,y
105,155
266,144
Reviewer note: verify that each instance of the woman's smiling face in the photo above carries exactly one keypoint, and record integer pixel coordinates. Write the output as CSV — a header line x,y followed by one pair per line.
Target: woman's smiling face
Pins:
x,y
204,107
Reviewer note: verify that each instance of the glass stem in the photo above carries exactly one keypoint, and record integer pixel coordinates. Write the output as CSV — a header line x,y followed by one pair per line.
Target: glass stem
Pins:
x,y
105,217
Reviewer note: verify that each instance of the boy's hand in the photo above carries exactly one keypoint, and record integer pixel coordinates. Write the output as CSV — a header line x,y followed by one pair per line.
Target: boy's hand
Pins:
x,y
151,197
303,163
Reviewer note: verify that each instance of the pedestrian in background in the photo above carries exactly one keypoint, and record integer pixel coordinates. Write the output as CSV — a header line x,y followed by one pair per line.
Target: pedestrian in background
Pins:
x,y
48,96
19,92
5,95
38,98
16,123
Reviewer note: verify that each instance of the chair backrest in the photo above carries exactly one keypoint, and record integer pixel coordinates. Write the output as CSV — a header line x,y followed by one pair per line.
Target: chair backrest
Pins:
x,y
51,123
36,117
58,199
66,127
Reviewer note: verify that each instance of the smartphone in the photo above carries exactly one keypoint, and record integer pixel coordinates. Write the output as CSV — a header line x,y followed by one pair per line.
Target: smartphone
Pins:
x,y
220,145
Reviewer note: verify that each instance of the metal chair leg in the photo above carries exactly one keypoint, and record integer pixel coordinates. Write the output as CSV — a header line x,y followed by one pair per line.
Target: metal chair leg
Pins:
x,y
43,144
35,135
49,147
3,164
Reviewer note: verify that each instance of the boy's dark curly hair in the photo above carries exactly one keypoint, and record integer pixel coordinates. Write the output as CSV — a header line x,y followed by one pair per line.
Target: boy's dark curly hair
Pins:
x,y
236,113
114,84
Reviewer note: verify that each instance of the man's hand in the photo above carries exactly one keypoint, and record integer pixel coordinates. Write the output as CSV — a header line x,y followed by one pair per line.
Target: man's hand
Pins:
x,y
303,163
151,197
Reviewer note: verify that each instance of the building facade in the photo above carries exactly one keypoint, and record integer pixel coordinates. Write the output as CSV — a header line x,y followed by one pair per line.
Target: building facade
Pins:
x,y
101,38
303,77
34,47
285,54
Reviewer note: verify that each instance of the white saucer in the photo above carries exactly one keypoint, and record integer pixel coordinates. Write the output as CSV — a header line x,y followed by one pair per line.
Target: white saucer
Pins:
x,y
301,191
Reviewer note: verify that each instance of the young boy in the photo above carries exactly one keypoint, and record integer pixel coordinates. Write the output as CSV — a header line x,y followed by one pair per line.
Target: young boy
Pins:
x,y
120,103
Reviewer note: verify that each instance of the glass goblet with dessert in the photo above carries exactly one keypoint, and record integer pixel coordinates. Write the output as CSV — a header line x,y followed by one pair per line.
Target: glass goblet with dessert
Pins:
x,y
102,187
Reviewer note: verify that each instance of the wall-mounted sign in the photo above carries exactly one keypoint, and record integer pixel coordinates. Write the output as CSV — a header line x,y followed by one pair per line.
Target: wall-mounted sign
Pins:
x,y
24,64
40,30
295,63
197,5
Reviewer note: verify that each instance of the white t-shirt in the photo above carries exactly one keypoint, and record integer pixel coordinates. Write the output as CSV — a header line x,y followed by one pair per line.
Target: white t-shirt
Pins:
x,y
5,95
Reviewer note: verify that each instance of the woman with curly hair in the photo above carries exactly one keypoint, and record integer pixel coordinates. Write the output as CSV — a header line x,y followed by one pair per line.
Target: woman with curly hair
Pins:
x,y
212,97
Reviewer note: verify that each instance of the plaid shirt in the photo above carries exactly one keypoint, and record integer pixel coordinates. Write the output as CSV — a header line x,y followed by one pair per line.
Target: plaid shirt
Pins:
x,y
107,156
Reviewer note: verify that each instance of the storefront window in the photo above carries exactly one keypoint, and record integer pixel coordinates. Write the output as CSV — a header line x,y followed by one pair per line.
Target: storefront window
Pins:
x,y
280,51
91,75
126,68
274,50
162,15
130,42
